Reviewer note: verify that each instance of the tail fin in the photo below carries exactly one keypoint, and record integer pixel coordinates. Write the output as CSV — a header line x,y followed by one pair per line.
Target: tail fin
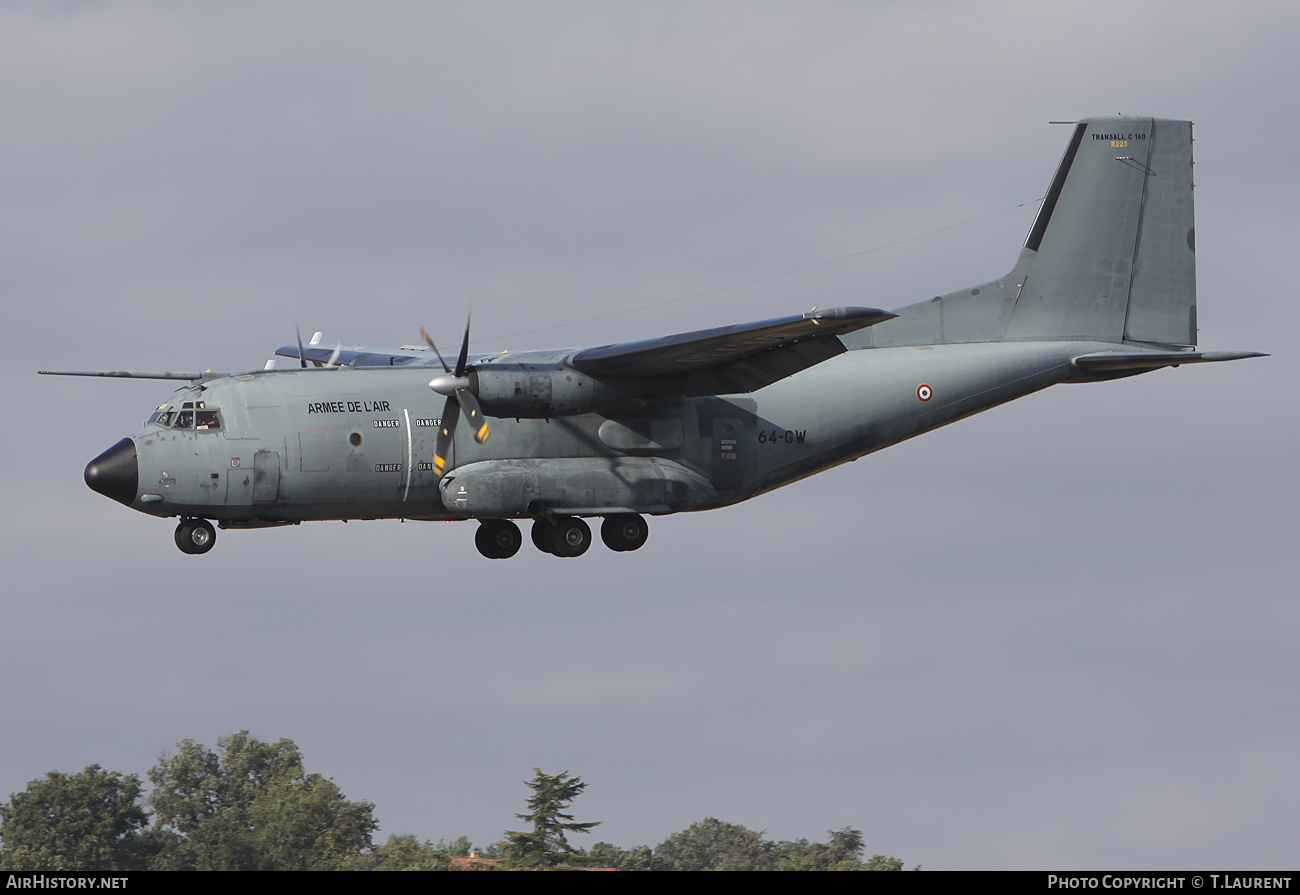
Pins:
x,y
1110,257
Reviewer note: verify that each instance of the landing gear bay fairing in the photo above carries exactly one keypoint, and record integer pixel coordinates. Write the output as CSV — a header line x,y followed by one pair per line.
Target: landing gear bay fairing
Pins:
x,y
1105,287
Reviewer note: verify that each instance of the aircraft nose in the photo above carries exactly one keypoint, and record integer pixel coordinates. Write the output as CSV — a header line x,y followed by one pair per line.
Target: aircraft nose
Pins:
x,y
115,473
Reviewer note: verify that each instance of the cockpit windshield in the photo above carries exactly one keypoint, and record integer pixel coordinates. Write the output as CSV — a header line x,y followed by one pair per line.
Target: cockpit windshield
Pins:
x,y
193,415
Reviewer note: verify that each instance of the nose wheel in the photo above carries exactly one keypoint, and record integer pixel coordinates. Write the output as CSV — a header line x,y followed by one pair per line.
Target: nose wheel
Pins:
x,y
195,536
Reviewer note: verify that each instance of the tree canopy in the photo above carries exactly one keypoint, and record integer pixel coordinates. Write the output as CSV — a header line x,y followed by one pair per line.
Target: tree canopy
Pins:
x,y
547,843
251,805
87,821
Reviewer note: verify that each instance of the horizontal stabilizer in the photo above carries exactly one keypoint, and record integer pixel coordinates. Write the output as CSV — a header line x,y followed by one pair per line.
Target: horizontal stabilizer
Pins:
x,y
1121,361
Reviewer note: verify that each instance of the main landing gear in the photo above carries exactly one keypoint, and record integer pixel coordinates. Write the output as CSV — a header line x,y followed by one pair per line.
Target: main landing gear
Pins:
x,y
498,538
559,535
195,536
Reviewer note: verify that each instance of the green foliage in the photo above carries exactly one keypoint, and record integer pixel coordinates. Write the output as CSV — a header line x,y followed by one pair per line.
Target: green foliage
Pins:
x,y
604,854
712,844
403,851
546,845
87,821
880,862
251,806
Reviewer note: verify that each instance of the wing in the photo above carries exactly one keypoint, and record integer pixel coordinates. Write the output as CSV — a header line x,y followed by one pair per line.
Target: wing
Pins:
x,y
738,358
359,357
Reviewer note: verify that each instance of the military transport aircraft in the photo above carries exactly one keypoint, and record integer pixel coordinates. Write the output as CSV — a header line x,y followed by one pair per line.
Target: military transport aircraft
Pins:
x,y
1105,287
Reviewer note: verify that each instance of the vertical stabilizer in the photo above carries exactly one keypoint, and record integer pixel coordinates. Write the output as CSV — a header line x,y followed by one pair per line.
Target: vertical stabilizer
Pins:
x,y
1110,256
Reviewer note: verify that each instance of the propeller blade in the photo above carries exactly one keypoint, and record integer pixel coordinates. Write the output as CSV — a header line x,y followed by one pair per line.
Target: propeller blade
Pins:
x,y
474,414
450,416
464,349
302,355
335,356
435,350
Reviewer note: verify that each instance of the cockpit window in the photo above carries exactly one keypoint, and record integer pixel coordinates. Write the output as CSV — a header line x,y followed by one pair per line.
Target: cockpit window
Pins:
x,y
192,415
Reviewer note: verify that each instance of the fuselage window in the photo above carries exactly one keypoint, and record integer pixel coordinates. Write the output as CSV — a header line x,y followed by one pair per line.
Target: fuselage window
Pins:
x,y
185,419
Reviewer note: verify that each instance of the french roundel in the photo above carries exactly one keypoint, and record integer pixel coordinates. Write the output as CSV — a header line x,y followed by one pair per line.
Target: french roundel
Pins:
x,y
924,392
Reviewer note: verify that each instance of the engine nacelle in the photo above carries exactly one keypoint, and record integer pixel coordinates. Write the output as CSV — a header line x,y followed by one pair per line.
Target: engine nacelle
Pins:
x,y
514,489
541,391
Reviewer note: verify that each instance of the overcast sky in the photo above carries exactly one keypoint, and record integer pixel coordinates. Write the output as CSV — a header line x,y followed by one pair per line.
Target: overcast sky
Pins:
x,y
1060,634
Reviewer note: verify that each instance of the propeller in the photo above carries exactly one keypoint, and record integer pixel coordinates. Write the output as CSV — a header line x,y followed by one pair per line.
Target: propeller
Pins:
x,y
455,385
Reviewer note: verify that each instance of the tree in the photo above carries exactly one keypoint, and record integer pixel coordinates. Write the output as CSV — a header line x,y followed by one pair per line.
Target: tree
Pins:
x,y
712,844
87,821
252,806
547,844
403,851
605,854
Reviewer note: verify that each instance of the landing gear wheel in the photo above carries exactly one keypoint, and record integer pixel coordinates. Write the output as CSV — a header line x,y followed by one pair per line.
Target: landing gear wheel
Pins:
x,y
572,537
498,538
544,535
626,531
195,536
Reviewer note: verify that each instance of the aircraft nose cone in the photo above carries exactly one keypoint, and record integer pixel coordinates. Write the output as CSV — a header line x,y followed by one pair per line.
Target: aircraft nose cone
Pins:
x,y
115,473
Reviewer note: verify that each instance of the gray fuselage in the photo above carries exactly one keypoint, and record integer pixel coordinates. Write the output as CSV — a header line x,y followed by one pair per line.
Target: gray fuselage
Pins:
x,y
298,445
